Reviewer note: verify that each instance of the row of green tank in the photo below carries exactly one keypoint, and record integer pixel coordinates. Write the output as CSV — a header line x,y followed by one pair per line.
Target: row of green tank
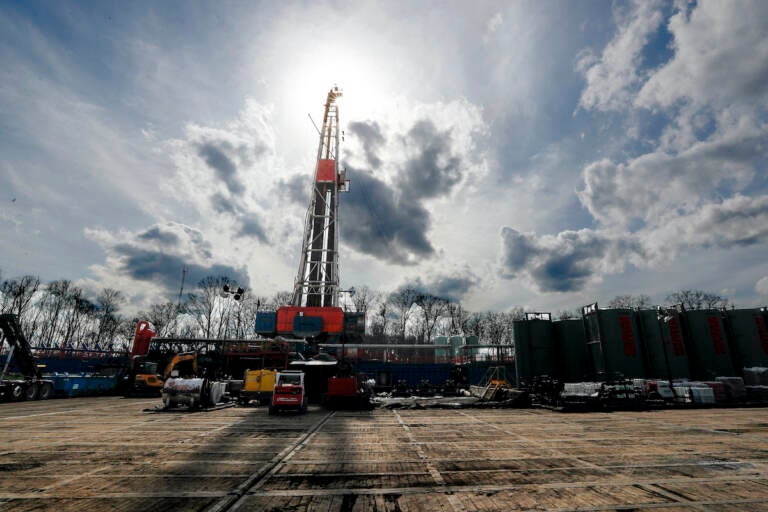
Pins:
x,y
669,344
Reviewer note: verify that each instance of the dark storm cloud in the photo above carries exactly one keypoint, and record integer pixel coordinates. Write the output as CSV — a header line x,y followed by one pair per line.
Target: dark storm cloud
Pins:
x,y
448,286
378,223
564,262
158,235
222,204
295,188
253,228
563,272
370,135
165,269
222,165
435,170
391,224
517,250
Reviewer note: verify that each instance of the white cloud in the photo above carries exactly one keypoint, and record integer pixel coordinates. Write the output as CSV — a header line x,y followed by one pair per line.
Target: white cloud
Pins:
x,y
495,22
492,26
650,186
761,286
721,56
736,221
613,77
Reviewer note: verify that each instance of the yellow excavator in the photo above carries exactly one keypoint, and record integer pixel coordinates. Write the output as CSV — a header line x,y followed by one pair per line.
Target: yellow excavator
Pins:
x,y
145,380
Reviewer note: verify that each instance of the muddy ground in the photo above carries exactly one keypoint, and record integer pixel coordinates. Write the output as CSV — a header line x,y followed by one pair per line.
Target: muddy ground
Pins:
x,y
107,453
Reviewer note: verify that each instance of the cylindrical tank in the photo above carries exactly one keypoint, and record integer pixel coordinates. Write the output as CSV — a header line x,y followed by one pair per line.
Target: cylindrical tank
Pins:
x,y
534,349
707,344
749,340
189,392
571,350
613,340
666,357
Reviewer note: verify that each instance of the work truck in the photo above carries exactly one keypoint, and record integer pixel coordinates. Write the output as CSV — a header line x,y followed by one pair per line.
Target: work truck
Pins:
x,y
28,383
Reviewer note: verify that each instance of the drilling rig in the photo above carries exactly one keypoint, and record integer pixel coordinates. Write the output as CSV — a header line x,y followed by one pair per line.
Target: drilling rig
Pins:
x,y
314,311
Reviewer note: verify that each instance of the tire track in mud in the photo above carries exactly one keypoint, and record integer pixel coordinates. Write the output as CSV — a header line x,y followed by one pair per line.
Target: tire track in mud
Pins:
x,y
234,500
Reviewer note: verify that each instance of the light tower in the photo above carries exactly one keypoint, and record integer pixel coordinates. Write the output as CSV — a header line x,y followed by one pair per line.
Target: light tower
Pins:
x,y
317,283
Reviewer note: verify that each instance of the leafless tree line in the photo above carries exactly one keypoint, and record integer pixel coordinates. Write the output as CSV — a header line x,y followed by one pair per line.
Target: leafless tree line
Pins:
x,y
61,314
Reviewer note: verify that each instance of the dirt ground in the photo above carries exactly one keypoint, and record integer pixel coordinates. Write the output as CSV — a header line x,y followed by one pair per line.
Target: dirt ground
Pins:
x,y
107,453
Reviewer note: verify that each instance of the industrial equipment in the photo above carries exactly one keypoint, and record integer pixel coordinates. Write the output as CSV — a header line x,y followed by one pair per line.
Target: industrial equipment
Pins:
x,y
314,312
195,392
29,383
258,385
144,379
289,392
183,384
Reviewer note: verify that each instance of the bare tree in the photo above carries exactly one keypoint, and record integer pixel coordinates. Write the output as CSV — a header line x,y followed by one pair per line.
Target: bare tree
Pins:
x,y
279,299
568,314
53,303
79,311
108,303
163,317
402,302
245,315
124,333
202,305
516,313
472,324
432,309
225,307
630,302
697,299
363,298
380,320
17,295
455,311
497,328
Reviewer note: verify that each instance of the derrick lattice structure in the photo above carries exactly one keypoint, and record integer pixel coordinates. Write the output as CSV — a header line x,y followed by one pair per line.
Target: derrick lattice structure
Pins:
x,y
317,282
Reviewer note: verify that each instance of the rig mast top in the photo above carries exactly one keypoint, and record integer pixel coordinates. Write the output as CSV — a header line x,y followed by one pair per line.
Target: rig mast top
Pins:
x,y
317,283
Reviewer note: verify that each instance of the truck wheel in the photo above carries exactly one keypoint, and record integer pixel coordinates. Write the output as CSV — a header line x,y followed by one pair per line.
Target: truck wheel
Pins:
x,y
272,410
45,391
17,392
31,391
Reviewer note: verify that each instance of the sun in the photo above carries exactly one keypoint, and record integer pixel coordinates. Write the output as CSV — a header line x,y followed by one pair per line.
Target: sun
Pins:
x,y
308,80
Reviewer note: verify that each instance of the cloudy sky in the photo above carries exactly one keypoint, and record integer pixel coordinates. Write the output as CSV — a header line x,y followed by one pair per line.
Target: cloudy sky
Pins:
x,y
543,154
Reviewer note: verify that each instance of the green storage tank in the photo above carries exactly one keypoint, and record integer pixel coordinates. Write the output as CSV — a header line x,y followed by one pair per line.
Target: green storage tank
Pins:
x,y
749,340
534,349
613,342
666,356
456,343
442,354
707,344
571,349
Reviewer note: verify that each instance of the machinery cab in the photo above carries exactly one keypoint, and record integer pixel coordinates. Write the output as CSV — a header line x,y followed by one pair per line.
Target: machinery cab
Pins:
x,y
147,376
289,392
